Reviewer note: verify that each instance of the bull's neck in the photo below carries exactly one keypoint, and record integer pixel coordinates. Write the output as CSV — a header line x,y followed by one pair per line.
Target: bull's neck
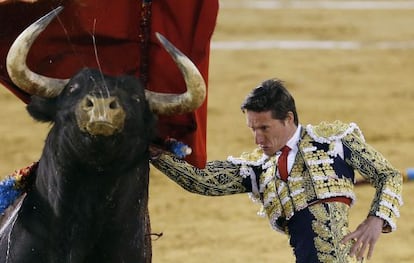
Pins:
x,y
66,186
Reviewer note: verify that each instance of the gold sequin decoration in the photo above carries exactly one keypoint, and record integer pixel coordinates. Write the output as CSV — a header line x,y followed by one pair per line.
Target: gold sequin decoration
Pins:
x,y
330,226
217,179
381,174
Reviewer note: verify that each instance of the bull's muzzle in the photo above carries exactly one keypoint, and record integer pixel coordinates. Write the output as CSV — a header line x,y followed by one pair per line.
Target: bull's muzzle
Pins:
x,y
100,116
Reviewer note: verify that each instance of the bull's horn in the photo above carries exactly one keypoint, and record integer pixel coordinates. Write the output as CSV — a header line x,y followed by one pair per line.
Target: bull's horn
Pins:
x,y
20,74
169,104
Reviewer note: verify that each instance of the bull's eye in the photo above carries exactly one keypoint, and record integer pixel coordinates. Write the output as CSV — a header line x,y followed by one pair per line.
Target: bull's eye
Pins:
x,y
74,87
136,98
113,105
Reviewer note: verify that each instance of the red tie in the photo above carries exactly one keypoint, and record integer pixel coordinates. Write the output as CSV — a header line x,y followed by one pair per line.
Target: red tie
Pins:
x,y
282,163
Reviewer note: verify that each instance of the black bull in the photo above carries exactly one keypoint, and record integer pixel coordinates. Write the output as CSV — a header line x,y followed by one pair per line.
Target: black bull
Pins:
x,y
89,198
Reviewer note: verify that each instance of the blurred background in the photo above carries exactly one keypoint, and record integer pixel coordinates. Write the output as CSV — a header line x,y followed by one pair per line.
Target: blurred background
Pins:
x,y
346,60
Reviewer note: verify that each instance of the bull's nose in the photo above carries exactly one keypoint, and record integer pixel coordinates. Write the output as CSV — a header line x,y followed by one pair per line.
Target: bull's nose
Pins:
x,y
91,103
100,116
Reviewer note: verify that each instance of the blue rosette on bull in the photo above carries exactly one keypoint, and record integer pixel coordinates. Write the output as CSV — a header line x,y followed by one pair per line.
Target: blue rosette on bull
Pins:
x,y
14,185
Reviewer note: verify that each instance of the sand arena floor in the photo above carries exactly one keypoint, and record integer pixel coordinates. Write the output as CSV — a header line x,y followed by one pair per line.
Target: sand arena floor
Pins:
x,y
352,64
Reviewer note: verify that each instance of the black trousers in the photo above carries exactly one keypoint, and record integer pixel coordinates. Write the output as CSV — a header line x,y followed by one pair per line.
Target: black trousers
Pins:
x,y
302,237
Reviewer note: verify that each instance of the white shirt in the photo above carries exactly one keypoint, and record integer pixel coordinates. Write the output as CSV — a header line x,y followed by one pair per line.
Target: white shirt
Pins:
x,y
293,145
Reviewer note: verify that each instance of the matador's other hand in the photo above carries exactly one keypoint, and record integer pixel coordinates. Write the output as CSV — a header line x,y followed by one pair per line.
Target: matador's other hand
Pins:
x,y
365,236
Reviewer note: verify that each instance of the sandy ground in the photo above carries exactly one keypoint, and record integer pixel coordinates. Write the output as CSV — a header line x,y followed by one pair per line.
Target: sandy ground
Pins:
x,y
367,85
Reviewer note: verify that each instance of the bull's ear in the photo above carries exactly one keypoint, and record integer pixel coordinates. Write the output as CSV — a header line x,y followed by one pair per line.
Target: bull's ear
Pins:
x,y
42,109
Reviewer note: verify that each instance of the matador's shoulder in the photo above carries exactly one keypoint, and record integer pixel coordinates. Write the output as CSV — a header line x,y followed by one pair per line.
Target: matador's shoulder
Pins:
x,y
327,132
253,158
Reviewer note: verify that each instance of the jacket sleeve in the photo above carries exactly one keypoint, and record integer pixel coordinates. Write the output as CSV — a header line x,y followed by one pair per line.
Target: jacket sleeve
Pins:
x,y
386,180
218,178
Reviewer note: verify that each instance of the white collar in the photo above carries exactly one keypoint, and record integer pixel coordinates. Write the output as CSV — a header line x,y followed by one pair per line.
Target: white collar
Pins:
x,y
293,141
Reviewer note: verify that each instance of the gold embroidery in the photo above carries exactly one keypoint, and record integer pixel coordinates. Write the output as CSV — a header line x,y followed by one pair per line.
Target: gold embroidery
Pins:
x,y
330,226
329,132
218,178
379,172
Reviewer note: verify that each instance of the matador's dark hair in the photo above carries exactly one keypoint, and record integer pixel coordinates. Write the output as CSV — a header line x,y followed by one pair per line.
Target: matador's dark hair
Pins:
x,y
271,95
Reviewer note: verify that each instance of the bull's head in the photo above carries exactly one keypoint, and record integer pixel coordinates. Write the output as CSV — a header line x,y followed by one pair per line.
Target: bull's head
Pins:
x,y
100,113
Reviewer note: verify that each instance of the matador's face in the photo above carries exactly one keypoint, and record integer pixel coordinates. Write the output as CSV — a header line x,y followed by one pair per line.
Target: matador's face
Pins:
x,y
270,134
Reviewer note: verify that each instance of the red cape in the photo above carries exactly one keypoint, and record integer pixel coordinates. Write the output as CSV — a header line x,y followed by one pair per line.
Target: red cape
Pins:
x,y
67,46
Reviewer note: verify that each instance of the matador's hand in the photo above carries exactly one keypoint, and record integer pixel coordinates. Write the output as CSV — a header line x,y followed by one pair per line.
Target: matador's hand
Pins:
x,y
155,152
365,236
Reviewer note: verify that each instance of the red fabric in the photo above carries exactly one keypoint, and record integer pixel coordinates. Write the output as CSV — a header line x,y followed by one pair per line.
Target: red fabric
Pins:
x,y
338,199
66,46
282,163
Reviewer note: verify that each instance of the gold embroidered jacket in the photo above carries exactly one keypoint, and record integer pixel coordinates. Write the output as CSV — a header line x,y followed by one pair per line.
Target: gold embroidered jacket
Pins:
x,y
324,167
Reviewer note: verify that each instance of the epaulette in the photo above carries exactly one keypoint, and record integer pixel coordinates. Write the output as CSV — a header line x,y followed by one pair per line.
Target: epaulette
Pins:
x,y
326,132
247,160
254,158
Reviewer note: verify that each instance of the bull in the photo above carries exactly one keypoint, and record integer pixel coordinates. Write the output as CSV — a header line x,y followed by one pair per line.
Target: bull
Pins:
x,y
89,197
